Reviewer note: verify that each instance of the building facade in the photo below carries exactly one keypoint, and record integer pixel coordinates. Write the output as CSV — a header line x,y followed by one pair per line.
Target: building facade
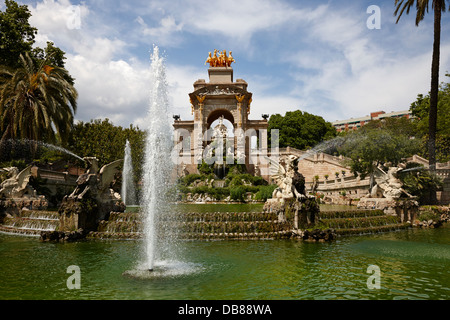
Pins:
x,y
355,123
221,98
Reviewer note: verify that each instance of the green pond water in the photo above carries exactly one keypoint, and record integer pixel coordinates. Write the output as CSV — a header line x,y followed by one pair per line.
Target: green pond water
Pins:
x,y
414,264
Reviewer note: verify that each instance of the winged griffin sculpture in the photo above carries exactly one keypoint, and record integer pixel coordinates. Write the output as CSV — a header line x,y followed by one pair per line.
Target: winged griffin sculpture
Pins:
x,y
97,181
17,184
291,183
388,185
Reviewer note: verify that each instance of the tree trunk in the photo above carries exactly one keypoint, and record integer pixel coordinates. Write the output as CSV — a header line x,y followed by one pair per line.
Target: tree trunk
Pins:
x,y
434,94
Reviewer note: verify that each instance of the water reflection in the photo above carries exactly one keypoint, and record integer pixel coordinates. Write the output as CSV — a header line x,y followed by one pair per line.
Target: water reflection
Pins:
x,y
412,263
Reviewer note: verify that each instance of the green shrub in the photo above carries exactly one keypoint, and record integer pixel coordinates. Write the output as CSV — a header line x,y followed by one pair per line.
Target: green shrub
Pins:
x,y
201,189
239,179
188,179
205,169
237,193
265,192
429,215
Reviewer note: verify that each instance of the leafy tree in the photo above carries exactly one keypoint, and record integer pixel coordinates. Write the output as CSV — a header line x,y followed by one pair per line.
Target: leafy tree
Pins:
x,y
16,33
300,130
381,143
105,141
36,101
204,168
265,192
17,37
54,57
422,6
38,95
418,182
420,109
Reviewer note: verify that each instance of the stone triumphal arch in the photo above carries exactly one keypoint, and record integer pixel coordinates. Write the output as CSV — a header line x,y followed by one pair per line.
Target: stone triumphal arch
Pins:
x,y
221,98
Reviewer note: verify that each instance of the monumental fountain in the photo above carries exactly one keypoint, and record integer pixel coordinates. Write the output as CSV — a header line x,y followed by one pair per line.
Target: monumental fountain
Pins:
x,y
97,207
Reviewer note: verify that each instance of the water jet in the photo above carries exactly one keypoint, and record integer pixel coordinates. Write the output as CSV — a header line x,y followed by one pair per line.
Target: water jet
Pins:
x,y
158,243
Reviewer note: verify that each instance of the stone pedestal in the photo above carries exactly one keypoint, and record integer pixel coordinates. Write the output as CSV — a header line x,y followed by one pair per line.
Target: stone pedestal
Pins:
x,y
299,215
404,208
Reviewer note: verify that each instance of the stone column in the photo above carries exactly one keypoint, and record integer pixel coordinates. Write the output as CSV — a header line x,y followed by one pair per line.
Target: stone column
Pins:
x,y
241,149
198,130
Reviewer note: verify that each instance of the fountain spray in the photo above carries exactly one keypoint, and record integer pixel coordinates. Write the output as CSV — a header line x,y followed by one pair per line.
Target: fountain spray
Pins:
x,y
128,191
158,164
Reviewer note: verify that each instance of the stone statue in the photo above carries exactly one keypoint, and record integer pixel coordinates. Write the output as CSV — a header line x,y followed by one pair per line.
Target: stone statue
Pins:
x,y
388,195
240,156
388,185
298,183
98,182
17,184
220,131
283,177
289,199
95,196
257,170
184,171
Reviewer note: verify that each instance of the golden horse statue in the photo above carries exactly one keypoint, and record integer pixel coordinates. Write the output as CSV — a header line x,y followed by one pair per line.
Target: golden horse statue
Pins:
x,y
220,61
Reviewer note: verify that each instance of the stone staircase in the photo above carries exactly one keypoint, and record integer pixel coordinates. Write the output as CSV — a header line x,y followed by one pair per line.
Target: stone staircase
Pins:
x,y
232,225
356,222
120,225
30,222
203,226
210,225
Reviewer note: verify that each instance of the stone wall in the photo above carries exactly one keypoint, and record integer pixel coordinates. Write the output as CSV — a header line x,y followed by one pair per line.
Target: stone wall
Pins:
x,y
340,179
57,182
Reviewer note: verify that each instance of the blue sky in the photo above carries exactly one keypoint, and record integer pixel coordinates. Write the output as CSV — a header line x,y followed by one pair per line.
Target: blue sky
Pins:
x,y
316,56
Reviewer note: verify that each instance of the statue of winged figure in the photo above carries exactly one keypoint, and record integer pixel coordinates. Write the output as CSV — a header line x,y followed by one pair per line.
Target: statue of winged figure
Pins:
x,y
107,176
98,181
291,183
17,185
388,185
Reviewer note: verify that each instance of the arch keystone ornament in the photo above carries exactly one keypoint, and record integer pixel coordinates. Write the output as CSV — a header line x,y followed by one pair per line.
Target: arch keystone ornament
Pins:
x,y
221,98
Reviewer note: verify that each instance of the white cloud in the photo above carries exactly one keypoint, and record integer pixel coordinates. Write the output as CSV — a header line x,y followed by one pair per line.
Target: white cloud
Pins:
x,y
347,71
108,87
58,21
117,90
164,33
233,20
320,59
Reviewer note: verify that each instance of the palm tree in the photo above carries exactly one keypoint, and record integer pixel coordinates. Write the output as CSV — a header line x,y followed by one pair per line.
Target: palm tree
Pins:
x,y
36,101
421,8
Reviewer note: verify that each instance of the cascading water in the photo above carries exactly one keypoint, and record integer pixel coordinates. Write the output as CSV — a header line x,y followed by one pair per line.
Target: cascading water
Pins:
x,y
128,191
157,167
